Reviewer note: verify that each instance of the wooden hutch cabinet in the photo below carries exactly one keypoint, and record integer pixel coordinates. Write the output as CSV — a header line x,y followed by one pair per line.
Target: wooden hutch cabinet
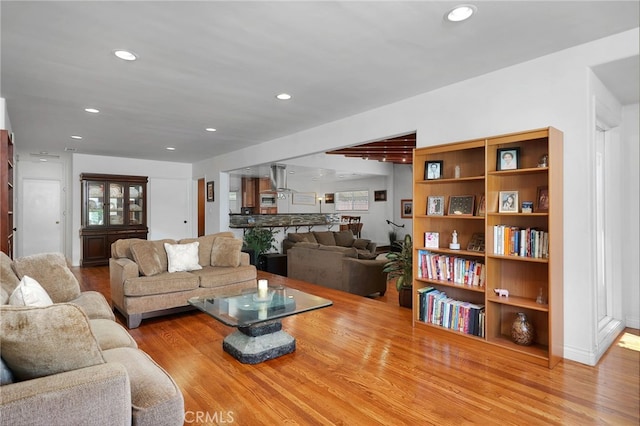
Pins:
x,y
113,207
6,193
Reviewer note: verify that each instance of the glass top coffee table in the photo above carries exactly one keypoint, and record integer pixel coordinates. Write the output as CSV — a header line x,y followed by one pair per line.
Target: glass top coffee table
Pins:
x,y
260,336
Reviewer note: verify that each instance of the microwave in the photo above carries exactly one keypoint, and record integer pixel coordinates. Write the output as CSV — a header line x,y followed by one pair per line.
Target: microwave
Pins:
x,y
267,200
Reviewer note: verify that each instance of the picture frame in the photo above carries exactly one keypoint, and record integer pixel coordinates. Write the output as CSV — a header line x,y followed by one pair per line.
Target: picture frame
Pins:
x,y
508,159
210,193
380,195
435,205
304,198
433,169
476,243
542,199
406,209
328,198
508,202
432,240
461,205
482,206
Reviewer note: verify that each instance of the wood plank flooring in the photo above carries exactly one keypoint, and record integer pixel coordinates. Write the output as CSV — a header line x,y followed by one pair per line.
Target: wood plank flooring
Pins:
x,y
360,362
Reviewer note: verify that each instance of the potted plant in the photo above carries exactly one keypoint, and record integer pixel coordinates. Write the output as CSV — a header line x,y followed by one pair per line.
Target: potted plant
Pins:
x,y
400,266
260,241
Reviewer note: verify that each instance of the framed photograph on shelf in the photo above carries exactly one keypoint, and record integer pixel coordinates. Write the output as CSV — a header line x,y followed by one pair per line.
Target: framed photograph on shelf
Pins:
x,y
433,170
476,243
328,198
508,202
543,199
431,240
461,205
482,207
508,159
406,209
380,195
210,193
435,205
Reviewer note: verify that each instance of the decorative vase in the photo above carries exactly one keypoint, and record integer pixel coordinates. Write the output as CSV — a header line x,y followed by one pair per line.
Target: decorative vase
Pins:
x,y
522,331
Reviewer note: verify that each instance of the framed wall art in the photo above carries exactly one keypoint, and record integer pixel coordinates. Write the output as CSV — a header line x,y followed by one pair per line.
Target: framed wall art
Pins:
x,y
210,193
380,195
304,198
406,209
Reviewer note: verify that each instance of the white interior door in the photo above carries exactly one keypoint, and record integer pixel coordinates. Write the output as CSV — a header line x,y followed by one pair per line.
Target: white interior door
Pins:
x,y
41,229
169,214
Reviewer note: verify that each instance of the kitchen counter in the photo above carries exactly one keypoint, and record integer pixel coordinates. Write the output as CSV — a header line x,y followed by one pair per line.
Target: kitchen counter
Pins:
x,y
298,220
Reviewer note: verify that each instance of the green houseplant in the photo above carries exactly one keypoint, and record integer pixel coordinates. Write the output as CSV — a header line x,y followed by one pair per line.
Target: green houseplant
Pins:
x,y
400,266
260,241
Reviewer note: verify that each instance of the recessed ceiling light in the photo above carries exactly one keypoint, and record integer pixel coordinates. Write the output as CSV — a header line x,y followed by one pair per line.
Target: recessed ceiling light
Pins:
x,y
283,96
125,55
44,160
92,110
76,137
170,148
461,12
210,129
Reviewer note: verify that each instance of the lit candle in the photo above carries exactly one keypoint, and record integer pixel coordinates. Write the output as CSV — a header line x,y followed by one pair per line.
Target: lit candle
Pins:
x,y
262,312
263,286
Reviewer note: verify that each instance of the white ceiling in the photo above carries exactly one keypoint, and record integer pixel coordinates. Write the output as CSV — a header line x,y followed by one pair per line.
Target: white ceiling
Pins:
x,y
221,63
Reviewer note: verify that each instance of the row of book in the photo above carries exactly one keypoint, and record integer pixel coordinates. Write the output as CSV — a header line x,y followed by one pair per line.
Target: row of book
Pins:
x,y
436,308
515,241
456,270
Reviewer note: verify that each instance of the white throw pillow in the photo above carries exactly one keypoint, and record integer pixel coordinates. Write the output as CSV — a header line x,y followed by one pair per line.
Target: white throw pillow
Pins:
x,y
183,257
29,293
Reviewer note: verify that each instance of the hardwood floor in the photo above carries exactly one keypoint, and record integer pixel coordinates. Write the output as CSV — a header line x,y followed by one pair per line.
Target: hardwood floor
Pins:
x,y
360,362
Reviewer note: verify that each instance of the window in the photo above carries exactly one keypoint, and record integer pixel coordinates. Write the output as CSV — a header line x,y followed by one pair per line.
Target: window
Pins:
x,y
352,200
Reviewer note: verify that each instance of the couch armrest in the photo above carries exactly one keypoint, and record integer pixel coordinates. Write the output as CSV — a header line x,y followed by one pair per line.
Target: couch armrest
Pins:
x,y
363,277
372,247
245,259
100,394
119,271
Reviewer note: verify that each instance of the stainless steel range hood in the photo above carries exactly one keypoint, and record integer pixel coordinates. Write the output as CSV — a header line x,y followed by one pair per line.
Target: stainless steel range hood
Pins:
x,y
278,177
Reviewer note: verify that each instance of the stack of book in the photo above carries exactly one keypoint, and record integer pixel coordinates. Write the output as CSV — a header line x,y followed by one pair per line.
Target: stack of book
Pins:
x,y
436,308
456,270
514,241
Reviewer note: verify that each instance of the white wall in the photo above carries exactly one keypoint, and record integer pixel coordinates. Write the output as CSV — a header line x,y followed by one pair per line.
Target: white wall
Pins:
x,y
158,172
549,91
630,138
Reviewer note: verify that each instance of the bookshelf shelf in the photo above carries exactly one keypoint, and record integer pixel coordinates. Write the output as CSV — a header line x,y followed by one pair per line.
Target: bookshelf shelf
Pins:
x,y
522,276
439,328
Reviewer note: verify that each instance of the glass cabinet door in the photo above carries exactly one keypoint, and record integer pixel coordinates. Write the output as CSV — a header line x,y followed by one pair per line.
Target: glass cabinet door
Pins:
x,y
116,203
95,205
136,205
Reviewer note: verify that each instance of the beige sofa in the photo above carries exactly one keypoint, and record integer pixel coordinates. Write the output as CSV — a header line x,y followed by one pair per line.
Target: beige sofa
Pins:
x,y
336,267
68,362
366,249
142,286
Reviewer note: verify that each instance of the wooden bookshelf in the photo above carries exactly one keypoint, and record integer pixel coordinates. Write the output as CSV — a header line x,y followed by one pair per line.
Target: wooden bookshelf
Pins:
x,y
6,193
524,277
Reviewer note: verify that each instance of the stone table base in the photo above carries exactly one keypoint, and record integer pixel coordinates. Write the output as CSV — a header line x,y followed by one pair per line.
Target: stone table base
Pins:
x,y
262,342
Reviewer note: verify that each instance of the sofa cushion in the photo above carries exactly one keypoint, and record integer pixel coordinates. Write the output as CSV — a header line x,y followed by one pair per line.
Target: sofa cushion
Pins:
x,y
94,305
163,283
366,254
325,238
217,276
206,243
39,342
151,256
307,245
361,243
182,257
303,237
226,252
344,238
8,278
29,293
155,397
122,248
52,272
110,334
345,251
